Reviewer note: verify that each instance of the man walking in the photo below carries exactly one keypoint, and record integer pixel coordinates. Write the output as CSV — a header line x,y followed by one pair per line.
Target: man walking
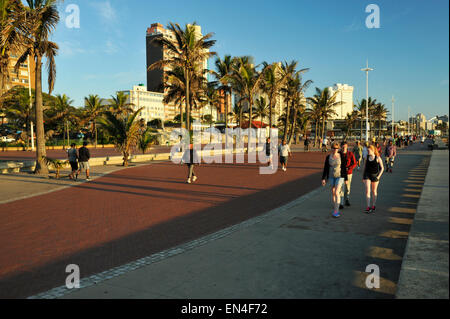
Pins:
x,y
83,158
284,150
324,144
348,158
390,153
190,157
357,151
268,148
73,161
306,144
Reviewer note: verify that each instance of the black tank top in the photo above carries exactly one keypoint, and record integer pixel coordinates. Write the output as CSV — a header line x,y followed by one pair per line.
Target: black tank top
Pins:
x,y
372,166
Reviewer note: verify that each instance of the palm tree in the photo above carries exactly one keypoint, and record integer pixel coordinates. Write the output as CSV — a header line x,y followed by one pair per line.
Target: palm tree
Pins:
x,y
379,113
293,91
93,109
124,131
62,112
261,110
36,22
211,98
223,76
175,86
247,79
120,105
188,52
350,120
271,85
361,106
324,103
146,139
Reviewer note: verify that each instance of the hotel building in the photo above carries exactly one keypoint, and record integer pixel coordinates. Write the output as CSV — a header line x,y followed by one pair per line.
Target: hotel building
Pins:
x,y
152,103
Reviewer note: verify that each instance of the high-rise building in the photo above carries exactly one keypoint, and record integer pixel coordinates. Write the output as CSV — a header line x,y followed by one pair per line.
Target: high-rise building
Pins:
x,y
345,95
21,77
152,103
155,53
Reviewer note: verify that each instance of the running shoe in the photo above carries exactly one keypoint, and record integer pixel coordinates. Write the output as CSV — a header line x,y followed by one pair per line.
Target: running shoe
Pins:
x,y
372,210
336,214
367,210
88,179
194,178
188,181
341,206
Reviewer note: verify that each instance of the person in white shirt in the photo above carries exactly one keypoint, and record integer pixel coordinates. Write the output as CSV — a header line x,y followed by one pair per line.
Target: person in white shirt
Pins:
x,y
284,150
365,152
324,144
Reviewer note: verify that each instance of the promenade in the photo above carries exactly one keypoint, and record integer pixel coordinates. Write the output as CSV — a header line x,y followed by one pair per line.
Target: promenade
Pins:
x,y
142,232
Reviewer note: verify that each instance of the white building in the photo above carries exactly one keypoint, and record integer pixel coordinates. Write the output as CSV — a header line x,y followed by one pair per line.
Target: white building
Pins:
x,y
152,103
345,94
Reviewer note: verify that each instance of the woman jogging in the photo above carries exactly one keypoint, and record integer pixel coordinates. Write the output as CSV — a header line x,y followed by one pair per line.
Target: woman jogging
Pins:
x,y
373,170
335,172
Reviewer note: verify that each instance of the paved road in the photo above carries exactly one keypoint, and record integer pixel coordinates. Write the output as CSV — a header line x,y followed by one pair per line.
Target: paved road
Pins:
x,y
133,213
296,251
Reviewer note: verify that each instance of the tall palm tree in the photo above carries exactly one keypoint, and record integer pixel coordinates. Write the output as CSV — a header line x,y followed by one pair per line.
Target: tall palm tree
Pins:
x,y
361,106
271,85
325,104
124,131
120,105
293,90
20,112
36,22
247,78
261,111
188,52
223,76
379,113
350,120
11,14
93,109
62,112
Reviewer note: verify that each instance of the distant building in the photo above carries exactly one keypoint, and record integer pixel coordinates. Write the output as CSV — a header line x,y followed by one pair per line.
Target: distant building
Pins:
x,y
21,77
152,103
344,94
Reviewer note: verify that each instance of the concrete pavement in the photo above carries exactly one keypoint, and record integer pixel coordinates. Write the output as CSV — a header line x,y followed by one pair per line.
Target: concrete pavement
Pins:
x,y
294,251
425,265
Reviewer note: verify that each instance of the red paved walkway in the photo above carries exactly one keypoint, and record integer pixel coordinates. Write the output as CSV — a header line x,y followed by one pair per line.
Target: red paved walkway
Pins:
x,y
133,213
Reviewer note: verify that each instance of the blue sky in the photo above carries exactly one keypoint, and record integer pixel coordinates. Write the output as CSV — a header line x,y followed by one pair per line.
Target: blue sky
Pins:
x,y
409,51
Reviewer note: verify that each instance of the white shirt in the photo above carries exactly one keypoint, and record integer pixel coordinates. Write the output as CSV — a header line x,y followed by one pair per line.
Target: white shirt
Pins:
x,y
284,150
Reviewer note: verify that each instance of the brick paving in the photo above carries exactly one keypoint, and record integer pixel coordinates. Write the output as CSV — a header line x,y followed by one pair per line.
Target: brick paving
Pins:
x,y
133,213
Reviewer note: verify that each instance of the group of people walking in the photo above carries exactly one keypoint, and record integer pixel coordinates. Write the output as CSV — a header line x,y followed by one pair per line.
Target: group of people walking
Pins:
x,y
79,160
340,164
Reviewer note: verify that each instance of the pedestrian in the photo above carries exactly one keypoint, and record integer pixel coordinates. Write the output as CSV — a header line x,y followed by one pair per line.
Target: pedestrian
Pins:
x,y
306,144
190,157
390,153
378,146
334,172
349,160
324,144
365,151
373,170
269,155
83,159
73,161
357,151
284,150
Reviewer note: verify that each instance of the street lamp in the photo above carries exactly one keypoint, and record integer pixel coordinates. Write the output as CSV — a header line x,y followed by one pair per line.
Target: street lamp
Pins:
x,y
367,69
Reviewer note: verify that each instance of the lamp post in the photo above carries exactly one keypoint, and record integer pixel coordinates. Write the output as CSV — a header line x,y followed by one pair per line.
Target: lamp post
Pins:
x,y
367,69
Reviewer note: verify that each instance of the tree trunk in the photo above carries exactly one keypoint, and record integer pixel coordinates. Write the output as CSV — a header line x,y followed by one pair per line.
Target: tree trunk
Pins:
x,y
323,128
226,115
188,108
41,166
270,118
294,124
286,122
95,129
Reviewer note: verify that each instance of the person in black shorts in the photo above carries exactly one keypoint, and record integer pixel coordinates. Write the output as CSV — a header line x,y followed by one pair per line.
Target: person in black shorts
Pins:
x,y
73,160
373,169
268,148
